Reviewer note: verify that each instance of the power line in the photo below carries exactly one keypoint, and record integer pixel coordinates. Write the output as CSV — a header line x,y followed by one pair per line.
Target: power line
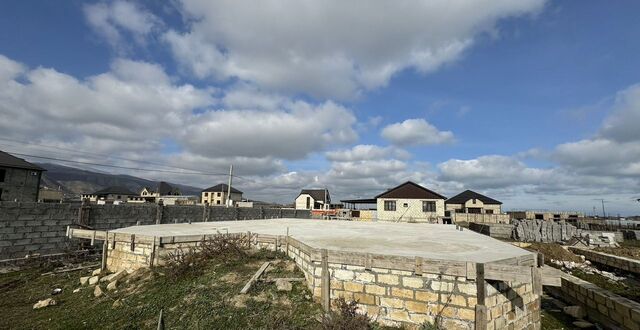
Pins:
x,y
117,166
195,171
97,154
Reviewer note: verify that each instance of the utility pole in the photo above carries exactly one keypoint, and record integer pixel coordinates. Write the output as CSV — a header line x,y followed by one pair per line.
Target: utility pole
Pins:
x,y
229,187
603,213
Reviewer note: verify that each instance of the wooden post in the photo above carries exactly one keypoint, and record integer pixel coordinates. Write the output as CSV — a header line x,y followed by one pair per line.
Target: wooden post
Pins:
x,y
93,238
325,285
540,259
481,308
159,212
133,242
105,250
153,252
83,213
286,251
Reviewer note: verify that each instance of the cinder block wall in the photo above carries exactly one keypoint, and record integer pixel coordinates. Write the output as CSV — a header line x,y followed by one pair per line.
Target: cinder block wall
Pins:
x,y
40,228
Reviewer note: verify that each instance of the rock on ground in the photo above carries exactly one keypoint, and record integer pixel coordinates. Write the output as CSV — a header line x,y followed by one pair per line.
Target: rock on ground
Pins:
x,y
84,280
283,285
97,292
94,279
112,286
44,303
96,272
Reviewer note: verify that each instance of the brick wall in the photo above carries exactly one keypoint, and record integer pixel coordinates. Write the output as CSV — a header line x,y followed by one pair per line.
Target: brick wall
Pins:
x,y
40,228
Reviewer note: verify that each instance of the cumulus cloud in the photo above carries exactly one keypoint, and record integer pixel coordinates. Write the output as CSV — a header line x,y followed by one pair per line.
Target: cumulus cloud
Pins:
x,y
330,49
416,132
115,20
291,133
367,152
135,109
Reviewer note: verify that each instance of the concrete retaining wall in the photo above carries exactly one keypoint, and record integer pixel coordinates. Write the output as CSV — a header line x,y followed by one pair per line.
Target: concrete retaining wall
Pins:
x,y
601,305
40,228
622,263
502,231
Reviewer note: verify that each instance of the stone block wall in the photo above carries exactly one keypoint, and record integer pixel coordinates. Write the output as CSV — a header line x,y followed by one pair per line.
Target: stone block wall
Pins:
x,y
610,260
389,296
28,228
494,230
40,228
601,305
512,306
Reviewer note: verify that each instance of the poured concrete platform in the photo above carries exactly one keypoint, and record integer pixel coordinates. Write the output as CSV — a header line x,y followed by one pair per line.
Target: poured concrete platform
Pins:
x,y
431,241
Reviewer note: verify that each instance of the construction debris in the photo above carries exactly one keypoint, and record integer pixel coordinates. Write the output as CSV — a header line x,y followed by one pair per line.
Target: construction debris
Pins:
x,y
283,285
254,278
44,303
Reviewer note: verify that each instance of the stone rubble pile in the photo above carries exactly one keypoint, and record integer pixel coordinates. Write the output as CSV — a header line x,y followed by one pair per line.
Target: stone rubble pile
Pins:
x,y
543,231
558,232
586,267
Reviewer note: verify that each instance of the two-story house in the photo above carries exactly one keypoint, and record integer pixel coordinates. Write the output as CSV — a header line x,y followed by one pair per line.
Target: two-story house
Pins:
x,y
217,195
313,199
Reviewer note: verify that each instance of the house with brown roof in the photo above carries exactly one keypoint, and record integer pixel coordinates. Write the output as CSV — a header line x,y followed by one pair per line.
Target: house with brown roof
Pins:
x,y
313,199
470,201
410,202
19,179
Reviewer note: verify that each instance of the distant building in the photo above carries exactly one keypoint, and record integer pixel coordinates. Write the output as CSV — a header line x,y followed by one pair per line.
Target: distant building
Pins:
x,y
19,179
217,195
472,202
313,199
163,191
410,202
545,215
110,195
47,195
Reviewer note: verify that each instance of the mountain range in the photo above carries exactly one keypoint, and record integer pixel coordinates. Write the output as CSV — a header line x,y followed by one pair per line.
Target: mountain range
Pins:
x,y
74,181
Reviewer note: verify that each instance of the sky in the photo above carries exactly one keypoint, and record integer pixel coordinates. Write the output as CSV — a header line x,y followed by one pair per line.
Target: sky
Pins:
x,y
535,103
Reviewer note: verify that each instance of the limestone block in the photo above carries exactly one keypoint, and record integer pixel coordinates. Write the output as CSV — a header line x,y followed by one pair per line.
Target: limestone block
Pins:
x,y
365,277
391,302
402,293
343,274
412,282
97,292
375,289
112,285
426,296
353,286
389,279
84,280
416,306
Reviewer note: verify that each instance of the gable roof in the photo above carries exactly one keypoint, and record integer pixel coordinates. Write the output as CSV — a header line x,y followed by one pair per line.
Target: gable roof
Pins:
x,y
8,160
466,195
222,187
115,190
410,190
316,194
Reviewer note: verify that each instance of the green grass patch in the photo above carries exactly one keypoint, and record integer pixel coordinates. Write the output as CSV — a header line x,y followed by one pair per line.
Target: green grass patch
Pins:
x,y
623,288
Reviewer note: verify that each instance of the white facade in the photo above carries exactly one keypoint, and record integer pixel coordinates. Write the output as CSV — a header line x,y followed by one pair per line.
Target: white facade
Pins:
x,y
307,202
475,206
409,210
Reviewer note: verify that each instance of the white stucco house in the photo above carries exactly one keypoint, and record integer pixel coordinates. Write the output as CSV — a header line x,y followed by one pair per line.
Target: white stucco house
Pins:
x,y
410,202
313,199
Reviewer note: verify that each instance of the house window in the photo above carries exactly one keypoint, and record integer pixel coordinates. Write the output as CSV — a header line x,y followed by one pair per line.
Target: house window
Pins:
x,y
0,194
405,205
219,194
218,202
206,194
389,205
474,201
3,173
119,197
308,202
428,206
488,211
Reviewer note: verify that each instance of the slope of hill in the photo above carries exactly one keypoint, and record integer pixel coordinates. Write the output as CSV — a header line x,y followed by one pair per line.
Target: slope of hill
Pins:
x,y
75,181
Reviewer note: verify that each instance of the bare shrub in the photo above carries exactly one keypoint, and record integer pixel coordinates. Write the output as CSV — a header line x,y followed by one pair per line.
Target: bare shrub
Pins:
x,y
191,262
346,317
225,247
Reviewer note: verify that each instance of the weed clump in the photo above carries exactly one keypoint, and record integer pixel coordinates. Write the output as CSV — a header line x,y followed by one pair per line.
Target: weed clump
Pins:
x,y
192,261
346,317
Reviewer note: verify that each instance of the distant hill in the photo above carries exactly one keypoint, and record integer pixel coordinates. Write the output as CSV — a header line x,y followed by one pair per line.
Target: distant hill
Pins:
x,y
74,181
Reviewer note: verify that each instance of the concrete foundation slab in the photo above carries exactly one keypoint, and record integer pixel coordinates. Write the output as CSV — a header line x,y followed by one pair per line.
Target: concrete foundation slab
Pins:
x,y
430,241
